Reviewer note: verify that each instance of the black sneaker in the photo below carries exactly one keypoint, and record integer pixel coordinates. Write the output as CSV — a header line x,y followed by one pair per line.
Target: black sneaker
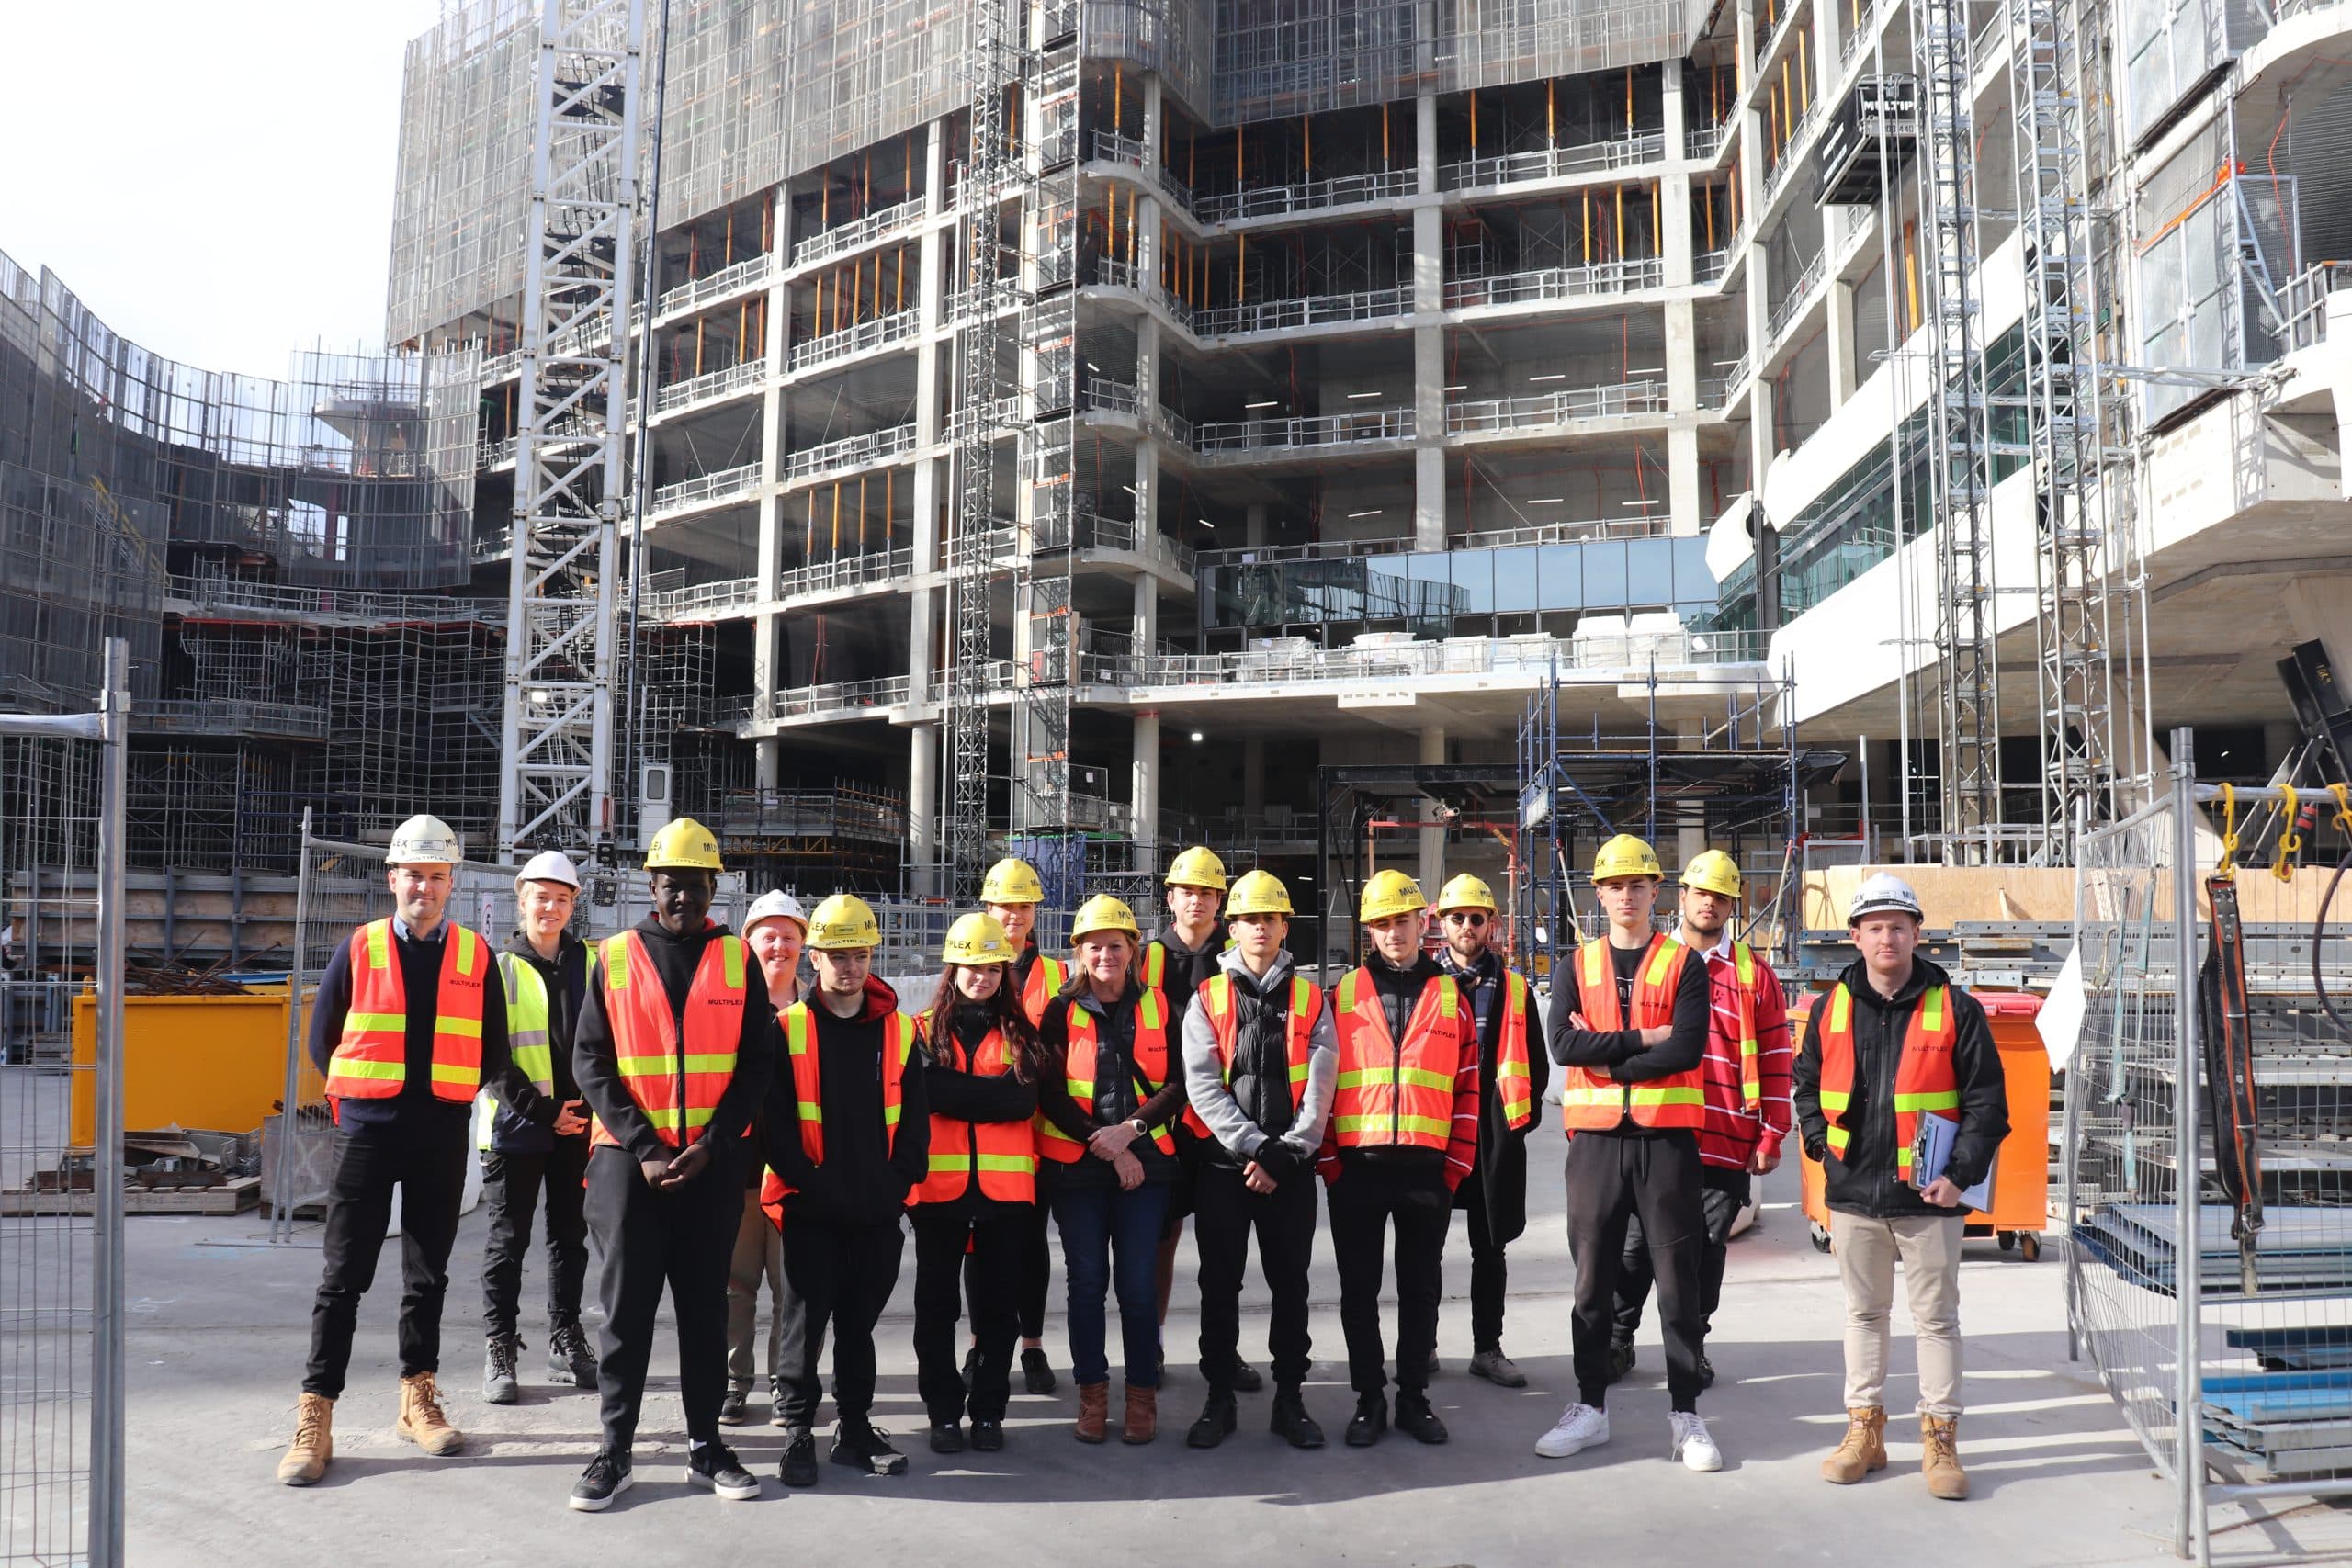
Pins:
x,y
947,1437
1620,1358
713,1465
1215,1424
569,1360
987,1437
1247,1379
867,1449
734,1408
499,1383
799,1467
1415,1418
606,1477
1706,1371
1370,1420
1292,1423
1036,1372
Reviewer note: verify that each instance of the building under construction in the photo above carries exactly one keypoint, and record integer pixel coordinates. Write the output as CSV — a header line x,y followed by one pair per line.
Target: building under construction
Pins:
x,y
1096,428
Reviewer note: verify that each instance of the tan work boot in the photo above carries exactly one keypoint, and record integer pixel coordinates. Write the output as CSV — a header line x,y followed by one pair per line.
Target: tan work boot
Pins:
x,y
1864,1449
420,1419
1093,1412
1142,1424
306,1456
1939,1458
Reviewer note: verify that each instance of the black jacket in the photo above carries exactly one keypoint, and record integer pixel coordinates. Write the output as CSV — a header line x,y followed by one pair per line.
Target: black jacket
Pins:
x,y
1116,1099
416,1107
955,1091
525,1125
1184,970
1502,1152
1618,1052
867,1173
1864,1181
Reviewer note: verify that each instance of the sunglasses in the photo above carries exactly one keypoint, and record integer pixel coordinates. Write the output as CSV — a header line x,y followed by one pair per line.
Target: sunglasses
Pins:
x,y
1471,918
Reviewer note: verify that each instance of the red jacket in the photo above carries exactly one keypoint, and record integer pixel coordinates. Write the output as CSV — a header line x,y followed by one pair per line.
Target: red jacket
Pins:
x,y
1733,1132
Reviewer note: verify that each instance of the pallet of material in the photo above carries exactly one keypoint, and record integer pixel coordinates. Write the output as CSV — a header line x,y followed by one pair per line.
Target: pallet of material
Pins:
x,y
2299,1249
232,1197
2281,1424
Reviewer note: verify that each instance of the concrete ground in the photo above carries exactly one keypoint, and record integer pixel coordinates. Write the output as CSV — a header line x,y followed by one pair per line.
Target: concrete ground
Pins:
x,y
219,1334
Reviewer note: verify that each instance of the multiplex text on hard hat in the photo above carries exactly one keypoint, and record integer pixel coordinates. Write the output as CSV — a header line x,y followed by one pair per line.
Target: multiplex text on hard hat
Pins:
x,y
1258,893
684,845
1626,855
843,923
1104,913
424,840
1465,892
1012,882
1713,872
1197,867
977,937
1389,893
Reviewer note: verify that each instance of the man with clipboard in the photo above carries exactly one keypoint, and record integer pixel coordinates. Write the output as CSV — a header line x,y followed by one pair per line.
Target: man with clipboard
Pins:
x,y
1894,1045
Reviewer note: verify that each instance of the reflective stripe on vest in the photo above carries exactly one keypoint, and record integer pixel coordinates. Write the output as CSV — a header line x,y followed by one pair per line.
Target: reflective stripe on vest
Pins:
x,y
527,1037
1595,1102
1514,1086
676,1083
1077,1075
808,1092
1304,1007
1925,1079
371,1060
1001,1155
1047,976
1393,1093
1751,1065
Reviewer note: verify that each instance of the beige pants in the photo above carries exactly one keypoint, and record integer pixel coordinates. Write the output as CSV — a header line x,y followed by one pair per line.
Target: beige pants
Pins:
x,y
1930,1248
758,1259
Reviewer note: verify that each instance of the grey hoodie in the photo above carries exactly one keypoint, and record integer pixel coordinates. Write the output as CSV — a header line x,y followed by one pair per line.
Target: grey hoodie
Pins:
x,y
1205,1077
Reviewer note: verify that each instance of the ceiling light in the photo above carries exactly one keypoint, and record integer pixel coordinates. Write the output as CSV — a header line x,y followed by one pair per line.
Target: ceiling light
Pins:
x,y
1637,503
1374,512
1461,389
1354,396
1197,737
1554,376
1548,501
1091,365
1209,525
1267,404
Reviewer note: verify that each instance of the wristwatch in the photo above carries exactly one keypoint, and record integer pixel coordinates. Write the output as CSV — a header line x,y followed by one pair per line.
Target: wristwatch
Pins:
x,y
1142,1129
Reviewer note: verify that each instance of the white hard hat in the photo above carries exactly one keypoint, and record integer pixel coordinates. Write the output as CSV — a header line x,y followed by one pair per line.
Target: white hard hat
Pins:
x,y
425,841
549,865
1881,892
775,905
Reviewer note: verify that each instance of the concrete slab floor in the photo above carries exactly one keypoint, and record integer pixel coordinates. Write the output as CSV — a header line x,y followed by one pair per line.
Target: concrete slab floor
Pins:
x,y
218,1335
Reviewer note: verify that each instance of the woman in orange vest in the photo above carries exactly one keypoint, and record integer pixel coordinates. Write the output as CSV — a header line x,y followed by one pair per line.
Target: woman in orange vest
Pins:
x,y
980,1068
1011,894
1110,1098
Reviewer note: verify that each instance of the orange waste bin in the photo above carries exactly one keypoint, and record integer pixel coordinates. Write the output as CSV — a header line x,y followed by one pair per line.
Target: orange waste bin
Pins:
x,y
2021,1171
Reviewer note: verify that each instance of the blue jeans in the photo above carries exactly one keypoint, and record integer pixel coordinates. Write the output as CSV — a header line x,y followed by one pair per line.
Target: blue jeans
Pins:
x,y
1111,1238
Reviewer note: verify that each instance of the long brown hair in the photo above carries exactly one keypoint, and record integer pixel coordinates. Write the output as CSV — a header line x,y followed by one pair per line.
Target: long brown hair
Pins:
x,y
1004,1010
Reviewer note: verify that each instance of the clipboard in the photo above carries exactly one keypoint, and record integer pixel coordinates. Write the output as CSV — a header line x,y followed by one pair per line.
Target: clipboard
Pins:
x,y
1931,1153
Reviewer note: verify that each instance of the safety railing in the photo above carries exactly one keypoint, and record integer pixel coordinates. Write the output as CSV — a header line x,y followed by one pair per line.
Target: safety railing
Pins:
x,y
1528,657
751,273
1791,305
879,332
230,716
2302,303
1306,195
703,490
1704,142
1859,37
1552,163
1094,531
1002,415
1302,433
1110,397
1709,266
850,452
1546,411
845,572
857,233
1555,283
811,702
666,597
214,595
709,386
1114,147
1316,310
1113,274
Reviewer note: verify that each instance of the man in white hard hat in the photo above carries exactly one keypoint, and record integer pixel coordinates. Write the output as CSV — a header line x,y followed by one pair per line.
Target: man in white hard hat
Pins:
x,y
406,1027
778,928
1893,1042
538,1140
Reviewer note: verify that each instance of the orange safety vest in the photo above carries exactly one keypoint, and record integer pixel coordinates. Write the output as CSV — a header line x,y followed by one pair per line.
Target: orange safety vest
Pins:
x,y
1306,1008
1924,1079
1001,1155
1391,1093
800,1050
1751,1067
1513,1083
1595,1102
1046,977
1078,1073
676,1083
370,1061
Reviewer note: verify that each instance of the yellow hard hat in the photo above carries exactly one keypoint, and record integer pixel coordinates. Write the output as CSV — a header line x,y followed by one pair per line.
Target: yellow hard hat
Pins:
x,y
1465,892
1197,867
1626,855
1104,913
1258,893
684,845
1713,872
425,841
1012,882
976,939
1389,893
846,921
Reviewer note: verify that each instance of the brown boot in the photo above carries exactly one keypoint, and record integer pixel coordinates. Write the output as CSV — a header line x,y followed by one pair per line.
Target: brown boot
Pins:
x,y
420,1419
306,1457
1142,1424
1939,1458
1863,1450
1093,1413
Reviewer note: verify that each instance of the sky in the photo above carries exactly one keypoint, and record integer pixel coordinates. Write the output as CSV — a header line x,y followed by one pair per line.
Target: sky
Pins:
x,y
213,180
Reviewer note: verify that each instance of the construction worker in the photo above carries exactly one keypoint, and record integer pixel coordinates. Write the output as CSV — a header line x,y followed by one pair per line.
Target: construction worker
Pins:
x,y
980,1068
1261,1064
1011,895
848,1136
1512,1077
776,927
405,1028
1894,1040
539,1141
1177,963
1404,1133
1629,1023
675,1047
1109,1101
1746,1073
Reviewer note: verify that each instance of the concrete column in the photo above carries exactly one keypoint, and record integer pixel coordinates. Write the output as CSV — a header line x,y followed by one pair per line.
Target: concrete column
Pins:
x,y
1691,829
1425,144
1841,342
1428,352
1152,117
930,474
1147,254
922,802
1253,523
767,628
1143,787
1683,370
1688,510
1432,838
1677,116
1147,611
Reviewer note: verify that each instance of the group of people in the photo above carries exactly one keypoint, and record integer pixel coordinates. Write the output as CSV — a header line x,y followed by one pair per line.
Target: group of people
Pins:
x,y
719,1131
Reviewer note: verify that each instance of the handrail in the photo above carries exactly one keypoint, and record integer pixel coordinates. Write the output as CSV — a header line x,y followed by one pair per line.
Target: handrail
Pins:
x,y
1791,304
1306,195
850,451
1620,276
743,274
710,384
1529,657
1278,315
1561,533
878,333
1552,163
2302,302
857,232
1701,143
703,489
1616,400
1304,432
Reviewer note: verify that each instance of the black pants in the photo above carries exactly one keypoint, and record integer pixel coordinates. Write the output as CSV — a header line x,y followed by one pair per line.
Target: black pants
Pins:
x,y
1364,1200
1722,1195
648,1240
1612,1179
427,1162
1489,1275
841,1277
1225,1211
966,1247
510,1185
1035,1265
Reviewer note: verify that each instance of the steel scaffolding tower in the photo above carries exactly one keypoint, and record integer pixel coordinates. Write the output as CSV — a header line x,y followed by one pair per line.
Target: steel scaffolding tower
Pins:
x,y
557,738
1958,434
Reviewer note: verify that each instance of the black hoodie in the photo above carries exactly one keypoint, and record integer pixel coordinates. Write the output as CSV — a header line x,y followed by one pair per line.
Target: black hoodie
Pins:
x,y
867,1172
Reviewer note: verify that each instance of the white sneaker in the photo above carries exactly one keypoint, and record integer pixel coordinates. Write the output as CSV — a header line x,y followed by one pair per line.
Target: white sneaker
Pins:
x,y
1580,1427
1692,1446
